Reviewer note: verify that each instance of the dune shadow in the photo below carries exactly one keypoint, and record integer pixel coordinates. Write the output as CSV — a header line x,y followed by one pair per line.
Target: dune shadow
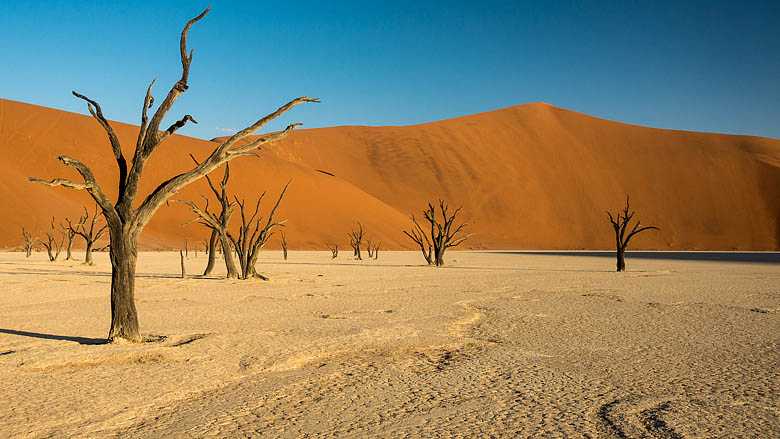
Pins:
x,y
760,257
79,340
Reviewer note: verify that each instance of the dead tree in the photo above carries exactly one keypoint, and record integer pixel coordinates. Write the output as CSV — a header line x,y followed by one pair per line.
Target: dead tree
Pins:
x,y
356,240
284,244
621,238
53,248
376,250
442,234
186,248
91,234
69,235
369,247
418,235
218,223
334,251
126,218
251,238
29,242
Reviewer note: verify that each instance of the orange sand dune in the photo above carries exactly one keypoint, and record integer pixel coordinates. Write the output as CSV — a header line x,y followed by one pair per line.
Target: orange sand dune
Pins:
x,y
530,176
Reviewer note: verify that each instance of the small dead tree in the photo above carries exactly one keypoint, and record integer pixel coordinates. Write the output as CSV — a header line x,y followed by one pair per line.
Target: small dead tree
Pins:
x,y
369,247
90,234
621,238
218,223
183,270
443,235
334,251
69,235
53,248
126,218
284,244
251,238
29,242
376,250
356,240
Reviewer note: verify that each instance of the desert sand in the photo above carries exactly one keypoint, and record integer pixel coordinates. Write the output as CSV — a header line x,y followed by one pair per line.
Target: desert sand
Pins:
x,y
532,176
497,344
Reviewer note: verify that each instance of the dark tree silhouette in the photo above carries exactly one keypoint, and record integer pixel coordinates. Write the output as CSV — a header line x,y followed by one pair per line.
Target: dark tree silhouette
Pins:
x,y
183,269
621,238
29,242
370,247
334,251
53,248
126,218
356,240
69,235
251,238
91,234
284,244
442,234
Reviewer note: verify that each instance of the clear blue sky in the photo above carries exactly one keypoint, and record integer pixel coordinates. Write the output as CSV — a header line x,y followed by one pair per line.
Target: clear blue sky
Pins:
x,y
694,65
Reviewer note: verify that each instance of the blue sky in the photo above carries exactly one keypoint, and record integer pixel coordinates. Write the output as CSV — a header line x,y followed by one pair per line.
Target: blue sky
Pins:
x,y
695,65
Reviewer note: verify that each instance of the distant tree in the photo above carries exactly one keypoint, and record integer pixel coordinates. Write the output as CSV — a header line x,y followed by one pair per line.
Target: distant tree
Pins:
x,y
251,237
284,244
376,250
369,247
356,240
334,251
69,235
53,247
29,242
443,235
90,234
621,238
125,217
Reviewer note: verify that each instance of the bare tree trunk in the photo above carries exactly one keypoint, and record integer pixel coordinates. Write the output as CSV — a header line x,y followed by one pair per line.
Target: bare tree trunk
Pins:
x,y
227,253
88,253
284,245
68,256
124,318
186,248
621,261
212,253
376,251
183,270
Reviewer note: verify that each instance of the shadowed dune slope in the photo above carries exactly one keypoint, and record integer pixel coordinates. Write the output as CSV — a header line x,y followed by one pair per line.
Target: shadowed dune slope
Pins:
x,y
530,176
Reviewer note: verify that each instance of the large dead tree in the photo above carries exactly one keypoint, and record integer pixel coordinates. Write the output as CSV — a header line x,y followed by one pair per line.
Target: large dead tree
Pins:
x,y
90,234
29,242
356,240
218,223
443,234
251,237
126,218
621,237
53,248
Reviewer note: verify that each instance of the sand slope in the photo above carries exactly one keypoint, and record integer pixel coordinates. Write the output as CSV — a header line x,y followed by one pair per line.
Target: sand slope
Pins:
x,y
530,176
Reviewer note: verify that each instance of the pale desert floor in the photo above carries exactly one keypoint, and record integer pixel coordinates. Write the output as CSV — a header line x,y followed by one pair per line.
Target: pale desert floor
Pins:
x,y
495,345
